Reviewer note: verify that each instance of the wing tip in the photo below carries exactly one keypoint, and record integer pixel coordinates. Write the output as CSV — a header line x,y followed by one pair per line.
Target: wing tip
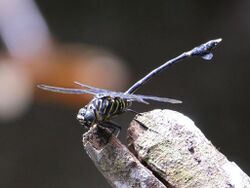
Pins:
x,y
77,83
178,102
41,86
47,87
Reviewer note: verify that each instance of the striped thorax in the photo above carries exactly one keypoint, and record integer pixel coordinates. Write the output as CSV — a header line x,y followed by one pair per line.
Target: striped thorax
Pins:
x,y
101,109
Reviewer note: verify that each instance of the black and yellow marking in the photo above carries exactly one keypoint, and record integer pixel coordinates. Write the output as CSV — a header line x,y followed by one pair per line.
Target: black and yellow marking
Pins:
x,y
116,106
108,106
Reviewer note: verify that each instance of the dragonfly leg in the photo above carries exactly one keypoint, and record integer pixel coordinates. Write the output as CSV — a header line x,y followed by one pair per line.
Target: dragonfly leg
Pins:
x,y
115,129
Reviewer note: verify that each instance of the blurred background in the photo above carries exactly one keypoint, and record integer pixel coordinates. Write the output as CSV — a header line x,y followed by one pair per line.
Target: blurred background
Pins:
x,y
112,44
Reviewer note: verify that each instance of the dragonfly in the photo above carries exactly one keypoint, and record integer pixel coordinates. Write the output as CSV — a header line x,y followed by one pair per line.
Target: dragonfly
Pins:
x,y
107,104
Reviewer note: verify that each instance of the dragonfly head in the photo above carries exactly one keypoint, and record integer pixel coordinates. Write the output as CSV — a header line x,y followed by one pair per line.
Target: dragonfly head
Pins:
x,y
86,117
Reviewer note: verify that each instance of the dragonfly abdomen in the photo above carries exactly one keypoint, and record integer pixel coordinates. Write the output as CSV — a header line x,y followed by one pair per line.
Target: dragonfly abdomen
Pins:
x,y
108,106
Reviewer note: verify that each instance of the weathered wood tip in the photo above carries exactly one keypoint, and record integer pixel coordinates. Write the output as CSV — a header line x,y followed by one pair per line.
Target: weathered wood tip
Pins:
x,y
117,164
177,152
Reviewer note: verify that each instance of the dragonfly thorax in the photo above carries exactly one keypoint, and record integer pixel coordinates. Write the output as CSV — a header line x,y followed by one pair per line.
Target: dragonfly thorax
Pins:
x,y
86,116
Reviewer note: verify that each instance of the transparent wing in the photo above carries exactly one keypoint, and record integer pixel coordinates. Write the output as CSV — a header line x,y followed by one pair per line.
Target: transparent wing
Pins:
x,y
89,87
66,90
106,93
133,97
159,99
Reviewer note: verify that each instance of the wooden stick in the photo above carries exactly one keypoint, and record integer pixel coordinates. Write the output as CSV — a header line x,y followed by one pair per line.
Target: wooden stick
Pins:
x,y
117,164
170,144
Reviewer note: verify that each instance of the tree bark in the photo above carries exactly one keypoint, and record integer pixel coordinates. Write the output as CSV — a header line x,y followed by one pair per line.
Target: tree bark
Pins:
x,y
170,144
170,152
116,163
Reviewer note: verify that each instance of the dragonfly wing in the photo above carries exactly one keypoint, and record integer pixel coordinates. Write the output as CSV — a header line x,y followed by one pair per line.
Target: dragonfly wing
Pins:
x,y
122,95
133,97
99,91
66,90
87,86
104,92
159,99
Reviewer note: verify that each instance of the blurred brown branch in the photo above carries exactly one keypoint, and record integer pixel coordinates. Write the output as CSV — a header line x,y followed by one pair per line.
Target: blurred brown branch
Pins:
x,y
33,57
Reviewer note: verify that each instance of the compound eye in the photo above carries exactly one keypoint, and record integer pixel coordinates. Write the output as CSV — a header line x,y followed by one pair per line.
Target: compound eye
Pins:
x,y
82,111
80,118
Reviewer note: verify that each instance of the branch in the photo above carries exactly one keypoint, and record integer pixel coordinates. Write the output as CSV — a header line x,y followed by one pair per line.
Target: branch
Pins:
x,y
170,144
117,164
170,152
